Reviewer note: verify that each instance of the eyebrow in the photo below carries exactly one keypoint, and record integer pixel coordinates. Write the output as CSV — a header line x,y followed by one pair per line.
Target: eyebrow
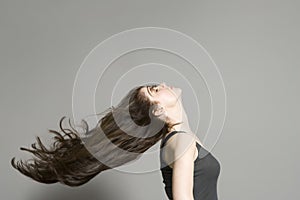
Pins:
x,y
149,91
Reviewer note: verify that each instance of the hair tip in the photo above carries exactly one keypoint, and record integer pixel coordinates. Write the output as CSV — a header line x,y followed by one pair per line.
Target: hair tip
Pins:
x,y
12,162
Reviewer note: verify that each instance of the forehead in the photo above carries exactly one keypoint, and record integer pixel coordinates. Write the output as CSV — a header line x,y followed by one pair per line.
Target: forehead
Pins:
x,y
144,90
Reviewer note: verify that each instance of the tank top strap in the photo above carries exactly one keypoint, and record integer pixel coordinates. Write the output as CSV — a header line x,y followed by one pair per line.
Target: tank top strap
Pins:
x,y
168,137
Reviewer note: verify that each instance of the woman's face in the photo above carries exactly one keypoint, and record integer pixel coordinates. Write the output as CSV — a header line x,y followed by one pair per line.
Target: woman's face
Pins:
x,y
166,96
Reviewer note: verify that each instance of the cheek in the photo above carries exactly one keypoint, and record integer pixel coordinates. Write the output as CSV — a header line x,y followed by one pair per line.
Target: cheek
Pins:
x,y
168,98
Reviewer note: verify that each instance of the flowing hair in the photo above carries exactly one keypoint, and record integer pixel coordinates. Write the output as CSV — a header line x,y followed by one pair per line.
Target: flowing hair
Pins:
x,y
73,159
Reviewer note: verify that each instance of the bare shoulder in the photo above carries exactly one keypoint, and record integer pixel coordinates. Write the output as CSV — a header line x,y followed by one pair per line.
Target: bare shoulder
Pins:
x,y
180,145
183,166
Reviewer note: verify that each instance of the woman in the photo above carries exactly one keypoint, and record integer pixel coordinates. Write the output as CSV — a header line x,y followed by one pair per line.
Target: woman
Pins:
x,y
74,160
189,171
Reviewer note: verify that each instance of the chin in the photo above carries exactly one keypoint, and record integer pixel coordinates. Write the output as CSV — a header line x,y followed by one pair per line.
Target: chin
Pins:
x,y
178,91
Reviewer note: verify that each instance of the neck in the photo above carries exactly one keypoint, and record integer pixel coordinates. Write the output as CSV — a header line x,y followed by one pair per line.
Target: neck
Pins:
x,y
178,114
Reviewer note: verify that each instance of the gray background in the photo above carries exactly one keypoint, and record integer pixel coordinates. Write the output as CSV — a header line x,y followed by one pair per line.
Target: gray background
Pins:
x,y
254,43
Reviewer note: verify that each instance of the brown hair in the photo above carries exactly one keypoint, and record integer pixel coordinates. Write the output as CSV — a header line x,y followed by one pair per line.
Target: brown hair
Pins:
x,y
74,159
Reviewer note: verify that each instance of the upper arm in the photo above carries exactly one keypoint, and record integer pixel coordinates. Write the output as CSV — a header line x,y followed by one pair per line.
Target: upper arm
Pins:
x,y
183,167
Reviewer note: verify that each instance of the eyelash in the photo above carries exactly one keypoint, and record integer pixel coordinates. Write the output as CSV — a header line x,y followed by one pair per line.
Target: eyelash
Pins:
x,y
154,87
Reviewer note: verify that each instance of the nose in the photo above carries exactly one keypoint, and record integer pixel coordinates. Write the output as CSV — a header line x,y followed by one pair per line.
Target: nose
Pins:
x,y
163,84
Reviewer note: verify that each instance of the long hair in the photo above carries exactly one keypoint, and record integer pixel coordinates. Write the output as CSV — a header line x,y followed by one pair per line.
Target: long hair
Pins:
x,y
73,159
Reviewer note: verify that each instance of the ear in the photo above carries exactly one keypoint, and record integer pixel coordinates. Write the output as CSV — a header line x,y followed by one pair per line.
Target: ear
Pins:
x,y
158,111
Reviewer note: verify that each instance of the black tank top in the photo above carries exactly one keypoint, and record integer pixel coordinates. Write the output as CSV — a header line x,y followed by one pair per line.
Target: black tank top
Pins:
x,y
206,173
